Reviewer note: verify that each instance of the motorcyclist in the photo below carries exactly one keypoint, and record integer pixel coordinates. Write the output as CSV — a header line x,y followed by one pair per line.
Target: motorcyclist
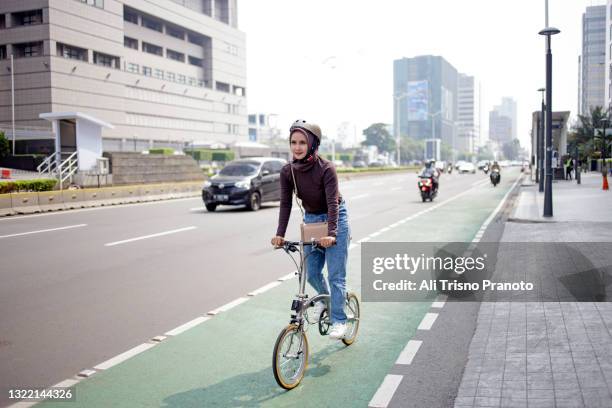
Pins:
x,y
495,167
430,171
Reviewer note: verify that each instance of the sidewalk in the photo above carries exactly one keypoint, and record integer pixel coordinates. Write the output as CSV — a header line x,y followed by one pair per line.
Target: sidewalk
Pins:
x,y
546,354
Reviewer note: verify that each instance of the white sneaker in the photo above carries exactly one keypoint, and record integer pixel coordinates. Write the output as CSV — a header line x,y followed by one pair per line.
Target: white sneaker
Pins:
x,y
338,331
318,308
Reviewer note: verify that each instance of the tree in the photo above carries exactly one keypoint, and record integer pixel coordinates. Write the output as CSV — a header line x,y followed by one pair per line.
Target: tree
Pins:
x,y
377,135
411,149
5,148
586,132
485,154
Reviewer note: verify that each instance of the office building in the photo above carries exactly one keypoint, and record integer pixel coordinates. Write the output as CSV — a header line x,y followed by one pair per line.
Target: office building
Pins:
x,y
162,73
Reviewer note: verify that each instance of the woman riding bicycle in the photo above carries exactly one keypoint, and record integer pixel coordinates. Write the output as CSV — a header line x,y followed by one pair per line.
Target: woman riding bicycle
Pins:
x,y
317,187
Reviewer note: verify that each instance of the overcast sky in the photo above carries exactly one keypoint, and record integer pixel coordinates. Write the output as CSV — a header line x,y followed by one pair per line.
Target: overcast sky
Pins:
x,y
332,61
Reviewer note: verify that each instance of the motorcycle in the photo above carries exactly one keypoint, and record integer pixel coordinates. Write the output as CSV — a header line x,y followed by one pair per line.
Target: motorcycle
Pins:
x,y
486,169
495,177
426,187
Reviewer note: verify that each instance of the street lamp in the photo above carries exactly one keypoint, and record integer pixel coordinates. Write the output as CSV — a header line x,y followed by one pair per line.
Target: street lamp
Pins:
x,y
604,169
398,98
433,127
541,144
548,203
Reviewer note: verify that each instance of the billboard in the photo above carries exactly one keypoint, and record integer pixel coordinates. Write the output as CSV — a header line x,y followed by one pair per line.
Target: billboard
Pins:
x,y
417,95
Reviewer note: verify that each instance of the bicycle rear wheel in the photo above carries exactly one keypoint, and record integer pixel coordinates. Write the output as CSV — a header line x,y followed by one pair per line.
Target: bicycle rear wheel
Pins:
x,y
290,358
351,308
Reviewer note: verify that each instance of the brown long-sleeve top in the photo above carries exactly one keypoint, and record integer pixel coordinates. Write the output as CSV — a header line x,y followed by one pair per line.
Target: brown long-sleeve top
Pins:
x,y
318,190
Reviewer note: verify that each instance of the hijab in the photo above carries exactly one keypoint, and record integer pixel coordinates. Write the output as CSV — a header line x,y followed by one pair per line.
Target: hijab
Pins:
x,y
311,157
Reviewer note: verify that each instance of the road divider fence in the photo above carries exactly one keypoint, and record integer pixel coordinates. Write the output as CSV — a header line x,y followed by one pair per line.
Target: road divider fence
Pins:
x,y
35,202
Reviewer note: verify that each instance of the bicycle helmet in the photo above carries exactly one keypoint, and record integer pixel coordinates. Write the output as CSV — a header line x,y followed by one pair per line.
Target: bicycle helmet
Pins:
x,y
312,128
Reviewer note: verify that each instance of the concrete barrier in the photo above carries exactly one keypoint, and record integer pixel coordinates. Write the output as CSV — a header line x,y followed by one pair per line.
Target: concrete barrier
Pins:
x,y
6,205
73,198
92,197
25,203
111,196
130,194
146,193
51,201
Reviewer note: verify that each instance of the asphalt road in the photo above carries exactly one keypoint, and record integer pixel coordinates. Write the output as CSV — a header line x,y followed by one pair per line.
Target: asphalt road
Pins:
x,y
73,297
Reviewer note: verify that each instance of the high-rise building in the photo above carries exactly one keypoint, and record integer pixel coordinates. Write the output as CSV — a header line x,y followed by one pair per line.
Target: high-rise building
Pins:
x,y
161,72
593,75
500,127
425,98
468,114
508,109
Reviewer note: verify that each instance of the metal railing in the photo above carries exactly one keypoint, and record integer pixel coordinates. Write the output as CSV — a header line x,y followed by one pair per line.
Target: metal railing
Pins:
x,y
49,165
68,168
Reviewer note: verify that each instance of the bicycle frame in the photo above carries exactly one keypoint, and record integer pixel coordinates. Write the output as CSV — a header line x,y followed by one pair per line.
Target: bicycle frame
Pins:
x,y
303,302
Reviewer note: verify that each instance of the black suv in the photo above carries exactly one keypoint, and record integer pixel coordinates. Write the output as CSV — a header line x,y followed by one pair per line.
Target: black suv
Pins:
x,y
248,182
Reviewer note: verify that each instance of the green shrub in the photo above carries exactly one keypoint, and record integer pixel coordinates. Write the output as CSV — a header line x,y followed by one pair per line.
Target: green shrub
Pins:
x,y
27,185
222,155
5,147
166,151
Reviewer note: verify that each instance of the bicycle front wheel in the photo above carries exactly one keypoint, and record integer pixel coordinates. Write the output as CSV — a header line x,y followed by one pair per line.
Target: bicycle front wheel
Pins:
x,y
352,311
290,358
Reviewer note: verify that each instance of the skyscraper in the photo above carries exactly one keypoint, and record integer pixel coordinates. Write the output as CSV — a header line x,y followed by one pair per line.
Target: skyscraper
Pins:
x,y
425,97
593,75
507,109
468,114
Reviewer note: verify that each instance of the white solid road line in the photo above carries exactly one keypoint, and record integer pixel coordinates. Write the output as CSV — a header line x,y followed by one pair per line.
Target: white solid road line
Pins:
x,y
385,392
125,241
428,321
124,356
485,225
45,230
396,188
187,326
116,206
405,358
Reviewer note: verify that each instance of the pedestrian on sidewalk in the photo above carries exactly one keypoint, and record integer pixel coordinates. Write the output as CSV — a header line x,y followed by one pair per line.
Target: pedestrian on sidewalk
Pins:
x,y
569,167
315,183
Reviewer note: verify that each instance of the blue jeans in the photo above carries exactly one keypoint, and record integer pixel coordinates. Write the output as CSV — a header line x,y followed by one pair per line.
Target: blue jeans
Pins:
x,y
336,257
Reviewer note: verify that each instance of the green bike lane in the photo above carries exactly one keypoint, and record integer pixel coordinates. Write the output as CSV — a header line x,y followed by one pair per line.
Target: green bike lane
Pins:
x,y
226,361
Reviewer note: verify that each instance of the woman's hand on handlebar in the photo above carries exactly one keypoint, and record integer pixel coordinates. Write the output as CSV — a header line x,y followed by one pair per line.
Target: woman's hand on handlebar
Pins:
x,y
326,242
278,241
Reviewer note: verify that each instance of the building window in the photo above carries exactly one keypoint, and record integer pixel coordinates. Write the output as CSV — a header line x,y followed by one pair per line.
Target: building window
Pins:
x,y
252,134
146,71
158,73
171,76
195,61
181,79
175,55
175,32
152,49
135,68
2,52
192,81
26,50
130,16
252,119
129,42
201,83
25,18
95,3
68,51
105,60
222,87
152,24
195,39
239,90
2,21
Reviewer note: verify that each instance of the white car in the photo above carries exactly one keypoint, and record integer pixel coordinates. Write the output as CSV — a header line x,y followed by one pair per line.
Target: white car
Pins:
x,y
467,167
